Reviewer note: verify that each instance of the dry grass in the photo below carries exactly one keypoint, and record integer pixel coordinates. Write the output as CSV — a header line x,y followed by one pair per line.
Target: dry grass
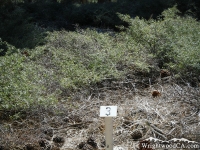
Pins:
x,y
75,122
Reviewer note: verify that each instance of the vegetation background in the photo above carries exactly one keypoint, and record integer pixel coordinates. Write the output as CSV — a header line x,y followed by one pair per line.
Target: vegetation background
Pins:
x,y
51,50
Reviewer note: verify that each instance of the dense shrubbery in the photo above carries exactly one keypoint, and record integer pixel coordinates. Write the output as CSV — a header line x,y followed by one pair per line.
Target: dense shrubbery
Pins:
x,y
51,63
86,56
69,60
21,83
172,39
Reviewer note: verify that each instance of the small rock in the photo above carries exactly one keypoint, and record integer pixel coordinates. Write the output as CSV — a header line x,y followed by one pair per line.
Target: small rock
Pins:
x,y
137,134
58,139
81,145
45,144
91,141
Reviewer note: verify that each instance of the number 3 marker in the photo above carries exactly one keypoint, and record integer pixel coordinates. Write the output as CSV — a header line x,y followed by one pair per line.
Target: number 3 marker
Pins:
x,y
108,112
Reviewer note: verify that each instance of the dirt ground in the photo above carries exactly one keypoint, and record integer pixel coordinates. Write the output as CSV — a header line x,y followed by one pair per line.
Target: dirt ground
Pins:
x,y
74,123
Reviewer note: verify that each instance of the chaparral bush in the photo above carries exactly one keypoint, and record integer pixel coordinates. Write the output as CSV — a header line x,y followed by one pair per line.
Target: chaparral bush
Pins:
x,y
21,84
173,40
74,60
68,61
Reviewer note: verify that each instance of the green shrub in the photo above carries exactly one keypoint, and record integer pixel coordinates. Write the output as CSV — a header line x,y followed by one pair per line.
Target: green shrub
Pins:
x,y
68,61
75,60
21,85
184,38
173,40
85,57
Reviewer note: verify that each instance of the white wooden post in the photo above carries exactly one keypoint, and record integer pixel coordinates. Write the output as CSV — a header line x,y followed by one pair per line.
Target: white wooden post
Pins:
x,y
109,133
108,112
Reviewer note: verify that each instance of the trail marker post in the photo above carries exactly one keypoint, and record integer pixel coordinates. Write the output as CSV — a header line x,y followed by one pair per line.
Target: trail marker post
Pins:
x,y
108,112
